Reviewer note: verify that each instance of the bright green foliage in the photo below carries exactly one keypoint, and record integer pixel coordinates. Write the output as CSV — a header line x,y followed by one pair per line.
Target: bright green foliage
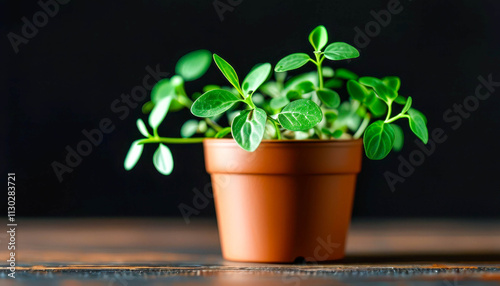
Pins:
x,y
400,100
384,92
378,140
305,87
418,125
256,78
334,83
345,74
330,98
213,102
228,71
223,132
189,128
300,115
318,38
297,106
399,138
162,89
248,128
141,126
407,105
162,160
133,155
279,102
392,82
159,112
291,62
340,51
194,65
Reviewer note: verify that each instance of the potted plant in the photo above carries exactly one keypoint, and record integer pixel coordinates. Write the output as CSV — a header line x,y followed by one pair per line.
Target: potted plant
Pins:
x,y
284,170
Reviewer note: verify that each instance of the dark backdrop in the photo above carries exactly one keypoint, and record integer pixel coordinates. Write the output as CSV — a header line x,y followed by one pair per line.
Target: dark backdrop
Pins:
x,y
64,79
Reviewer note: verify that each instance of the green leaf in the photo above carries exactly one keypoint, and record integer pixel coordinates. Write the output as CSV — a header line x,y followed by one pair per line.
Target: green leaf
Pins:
x,y
305,87
300,115
384,92
189,128
210,87
279,102
329,97
210,133
378,140
340,51
337,133
147,107
331,115
357,91
213,102
194,64
133,155
162,89
293,94
291,62
392,82
328,72
398,138
223,132
345,74
377,107
418,125
271,88
407,105
228,71
163,161
318,38
421,114
142,128
400,100
159,112
334,83
256,78
248,128
175,105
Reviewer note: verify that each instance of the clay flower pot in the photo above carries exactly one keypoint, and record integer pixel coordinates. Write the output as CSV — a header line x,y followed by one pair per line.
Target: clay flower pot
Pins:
x,y
288,199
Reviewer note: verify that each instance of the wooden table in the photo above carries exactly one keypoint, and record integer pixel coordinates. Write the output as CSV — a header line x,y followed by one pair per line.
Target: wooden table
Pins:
x,y
126,252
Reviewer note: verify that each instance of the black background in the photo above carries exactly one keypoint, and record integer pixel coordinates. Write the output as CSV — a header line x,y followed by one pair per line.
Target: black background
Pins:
x,y
65,78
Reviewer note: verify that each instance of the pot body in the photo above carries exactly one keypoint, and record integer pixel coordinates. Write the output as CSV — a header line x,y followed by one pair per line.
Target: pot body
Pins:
x,y
288,199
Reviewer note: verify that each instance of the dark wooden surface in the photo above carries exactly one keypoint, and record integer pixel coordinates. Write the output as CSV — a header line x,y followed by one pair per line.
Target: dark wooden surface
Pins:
x,y
160,251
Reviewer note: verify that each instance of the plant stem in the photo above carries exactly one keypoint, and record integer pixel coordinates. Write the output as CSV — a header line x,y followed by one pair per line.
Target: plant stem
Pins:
x,y
250,103
362,127
389,111
397,117
171,140
275,124
213,124
320,70
182,96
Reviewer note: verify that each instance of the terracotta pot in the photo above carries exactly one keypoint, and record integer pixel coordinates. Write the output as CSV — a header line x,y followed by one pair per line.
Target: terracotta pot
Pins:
x,y
288,199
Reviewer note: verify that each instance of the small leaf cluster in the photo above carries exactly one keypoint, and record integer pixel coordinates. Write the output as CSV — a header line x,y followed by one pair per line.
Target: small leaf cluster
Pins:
x,y
282,105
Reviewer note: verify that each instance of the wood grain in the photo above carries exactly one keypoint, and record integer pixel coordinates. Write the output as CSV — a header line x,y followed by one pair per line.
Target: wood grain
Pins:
x,y
149,251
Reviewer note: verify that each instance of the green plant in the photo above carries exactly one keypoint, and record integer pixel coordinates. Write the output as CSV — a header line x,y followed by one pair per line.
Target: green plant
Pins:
x,y
304,106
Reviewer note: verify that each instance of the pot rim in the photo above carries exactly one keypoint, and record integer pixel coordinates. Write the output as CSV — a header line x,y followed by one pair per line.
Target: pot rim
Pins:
x,y
275,142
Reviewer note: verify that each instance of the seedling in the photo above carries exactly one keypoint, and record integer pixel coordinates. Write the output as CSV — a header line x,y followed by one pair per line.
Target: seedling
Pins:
x,y
305,106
